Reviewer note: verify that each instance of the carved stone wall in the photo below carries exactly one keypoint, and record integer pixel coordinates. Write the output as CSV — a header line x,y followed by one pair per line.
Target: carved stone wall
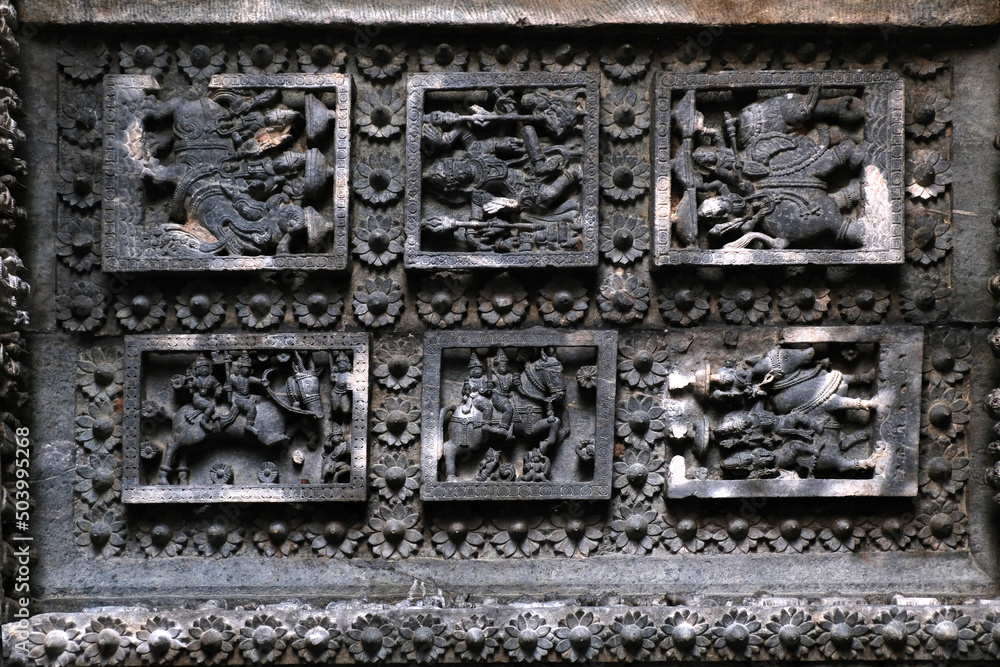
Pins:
x,y
692,324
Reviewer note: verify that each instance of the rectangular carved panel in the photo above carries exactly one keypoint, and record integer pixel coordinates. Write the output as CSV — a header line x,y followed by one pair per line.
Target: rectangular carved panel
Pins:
x,y
237,179
501,170
245,417
810,412
520,414
760,167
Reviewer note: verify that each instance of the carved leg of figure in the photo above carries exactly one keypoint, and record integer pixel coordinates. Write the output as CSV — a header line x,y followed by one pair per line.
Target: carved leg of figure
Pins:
x,y
165,471
747,239
450,451
251,418
551,437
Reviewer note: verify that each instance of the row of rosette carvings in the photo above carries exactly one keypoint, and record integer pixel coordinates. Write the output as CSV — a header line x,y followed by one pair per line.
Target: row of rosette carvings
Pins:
x,y
425,632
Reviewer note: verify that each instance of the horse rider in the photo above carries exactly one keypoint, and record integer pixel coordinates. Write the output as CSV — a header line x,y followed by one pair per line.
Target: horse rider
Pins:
x,y
478,389
504,384
205,389
238,386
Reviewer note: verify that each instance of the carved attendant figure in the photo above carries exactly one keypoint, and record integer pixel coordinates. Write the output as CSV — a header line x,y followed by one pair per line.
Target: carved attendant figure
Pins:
x,y
340,393
478,389
503,386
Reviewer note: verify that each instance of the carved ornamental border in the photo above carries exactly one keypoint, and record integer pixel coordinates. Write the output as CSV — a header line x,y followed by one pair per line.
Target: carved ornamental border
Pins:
x,y
122,202
883,90
136,346
423,631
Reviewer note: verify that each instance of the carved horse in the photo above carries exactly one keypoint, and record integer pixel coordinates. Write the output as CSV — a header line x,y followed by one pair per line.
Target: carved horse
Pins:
x,y
274,416
541,387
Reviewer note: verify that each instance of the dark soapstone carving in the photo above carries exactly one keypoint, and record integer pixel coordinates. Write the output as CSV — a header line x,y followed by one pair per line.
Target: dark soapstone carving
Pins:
x,y
238,178
779,168
520,414
501,170
279,417
803,411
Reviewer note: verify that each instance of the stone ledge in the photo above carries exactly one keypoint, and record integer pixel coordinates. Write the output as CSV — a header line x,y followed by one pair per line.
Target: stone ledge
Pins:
x,y
525,13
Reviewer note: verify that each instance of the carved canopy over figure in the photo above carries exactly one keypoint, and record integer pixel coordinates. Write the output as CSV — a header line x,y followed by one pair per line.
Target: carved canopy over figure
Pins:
x,y
520,187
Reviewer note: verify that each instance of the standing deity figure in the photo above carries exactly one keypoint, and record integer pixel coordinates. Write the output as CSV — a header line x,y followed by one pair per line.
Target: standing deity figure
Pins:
x,y
504,382
340,393
238,387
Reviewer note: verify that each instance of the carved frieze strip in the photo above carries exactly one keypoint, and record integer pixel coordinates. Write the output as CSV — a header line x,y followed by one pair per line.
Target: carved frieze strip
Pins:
x,y
843,630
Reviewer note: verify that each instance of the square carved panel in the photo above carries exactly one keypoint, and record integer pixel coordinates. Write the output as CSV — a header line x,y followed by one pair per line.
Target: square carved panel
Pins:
x,y
519,414
245,417
760,167
250,175
501,170
807,412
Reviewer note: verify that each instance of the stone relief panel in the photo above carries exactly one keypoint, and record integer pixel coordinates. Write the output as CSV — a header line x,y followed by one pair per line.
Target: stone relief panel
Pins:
x,y
776,167
815,412
227,418
648,307
515,415
501,170
681,338
250,174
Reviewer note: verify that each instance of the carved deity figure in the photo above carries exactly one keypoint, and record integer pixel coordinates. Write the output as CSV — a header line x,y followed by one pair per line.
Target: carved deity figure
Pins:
x,y
340,393
334,450
504,383
477,389
521,193
205,389
238,385
536,467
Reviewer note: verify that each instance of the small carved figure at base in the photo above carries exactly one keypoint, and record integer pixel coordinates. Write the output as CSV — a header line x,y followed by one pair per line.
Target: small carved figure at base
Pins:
x,y
536,467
